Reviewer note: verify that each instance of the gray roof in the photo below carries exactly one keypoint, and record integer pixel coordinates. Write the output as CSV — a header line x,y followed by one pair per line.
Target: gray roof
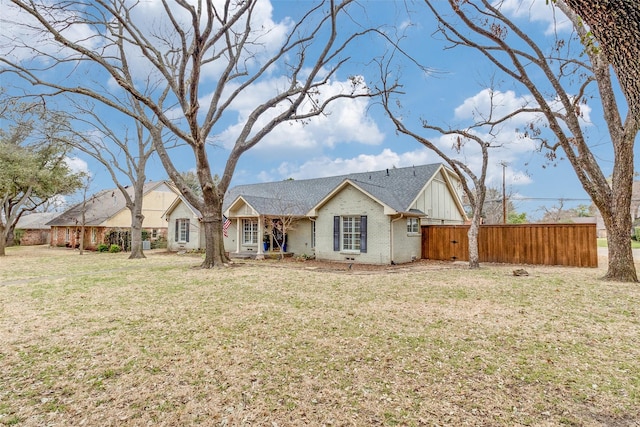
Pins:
x,y
100,207
396,188
36,221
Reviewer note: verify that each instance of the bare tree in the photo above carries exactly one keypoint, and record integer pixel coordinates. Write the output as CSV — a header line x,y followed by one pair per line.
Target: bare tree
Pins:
x,y
121,155
482,26
282,218
190,68
473,182
83,216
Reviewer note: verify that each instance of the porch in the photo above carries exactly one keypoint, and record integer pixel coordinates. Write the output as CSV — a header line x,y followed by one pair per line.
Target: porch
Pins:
x,y
252,255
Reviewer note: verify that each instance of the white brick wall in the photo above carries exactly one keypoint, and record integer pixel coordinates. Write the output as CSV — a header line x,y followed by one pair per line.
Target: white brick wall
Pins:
x,y
348,202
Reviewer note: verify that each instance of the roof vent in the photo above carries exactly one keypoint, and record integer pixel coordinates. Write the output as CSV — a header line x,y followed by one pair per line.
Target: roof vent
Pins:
x,y
387,172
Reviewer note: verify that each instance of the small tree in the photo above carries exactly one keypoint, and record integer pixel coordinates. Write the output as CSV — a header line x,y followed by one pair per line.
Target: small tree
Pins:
x,y
283,217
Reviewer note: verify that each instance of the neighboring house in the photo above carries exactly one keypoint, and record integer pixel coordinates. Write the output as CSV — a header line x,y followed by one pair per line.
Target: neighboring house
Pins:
x,y
369,217
32,229
106,211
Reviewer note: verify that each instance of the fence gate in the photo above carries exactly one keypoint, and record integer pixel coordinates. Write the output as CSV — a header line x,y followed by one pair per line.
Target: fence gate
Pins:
x,y
545,244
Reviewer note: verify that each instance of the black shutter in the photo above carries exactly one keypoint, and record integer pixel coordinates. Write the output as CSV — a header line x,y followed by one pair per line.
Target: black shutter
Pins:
x,y
363,234
336,233
188,226
177,230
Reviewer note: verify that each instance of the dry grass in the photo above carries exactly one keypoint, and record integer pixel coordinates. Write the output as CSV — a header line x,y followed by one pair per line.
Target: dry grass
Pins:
x,y
102,340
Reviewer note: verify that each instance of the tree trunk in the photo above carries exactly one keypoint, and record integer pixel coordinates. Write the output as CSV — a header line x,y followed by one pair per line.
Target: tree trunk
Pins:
x,y
472,234
214,244
137,218
81,246
621,267
2,240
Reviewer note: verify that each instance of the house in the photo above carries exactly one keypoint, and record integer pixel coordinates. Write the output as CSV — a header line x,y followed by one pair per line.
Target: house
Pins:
x,y
106,215
368,217
32,229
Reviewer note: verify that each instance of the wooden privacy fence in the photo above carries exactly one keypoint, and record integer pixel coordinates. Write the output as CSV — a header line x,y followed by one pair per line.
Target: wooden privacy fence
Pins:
x,y
546,244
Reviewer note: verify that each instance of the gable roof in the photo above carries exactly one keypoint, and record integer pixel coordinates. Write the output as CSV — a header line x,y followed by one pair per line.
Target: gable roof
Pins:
x,y
36,221
396,188
181,199
101,206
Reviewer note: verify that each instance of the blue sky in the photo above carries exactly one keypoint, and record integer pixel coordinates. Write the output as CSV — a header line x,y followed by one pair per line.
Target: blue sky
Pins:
x,y
356,136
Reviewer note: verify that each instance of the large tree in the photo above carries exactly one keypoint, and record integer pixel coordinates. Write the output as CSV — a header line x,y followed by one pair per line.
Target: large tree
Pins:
x,y
123,150
189,67
558,80
33,163
615,25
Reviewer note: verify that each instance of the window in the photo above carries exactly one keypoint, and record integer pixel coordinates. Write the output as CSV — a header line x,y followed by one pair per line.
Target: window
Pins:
x,y
413,225
94,235
182,230
154,233
67,235
313,234
250,231
350,233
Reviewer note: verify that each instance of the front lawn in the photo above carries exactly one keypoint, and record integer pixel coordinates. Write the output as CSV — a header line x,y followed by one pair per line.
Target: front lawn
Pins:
x,y
101,340
602,243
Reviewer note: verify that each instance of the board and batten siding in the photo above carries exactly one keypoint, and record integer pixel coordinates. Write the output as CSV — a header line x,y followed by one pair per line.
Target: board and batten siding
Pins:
x,y
438,204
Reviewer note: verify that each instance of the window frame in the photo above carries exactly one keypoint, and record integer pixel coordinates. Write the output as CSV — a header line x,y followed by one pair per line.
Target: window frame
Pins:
x,y
413,225
249,231
183,225
350,233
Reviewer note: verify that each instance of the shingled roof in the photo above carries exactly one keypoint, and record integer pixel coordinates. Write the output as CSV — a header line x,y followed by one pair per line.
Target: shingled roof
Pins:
x,y
99,207
396,188
36,221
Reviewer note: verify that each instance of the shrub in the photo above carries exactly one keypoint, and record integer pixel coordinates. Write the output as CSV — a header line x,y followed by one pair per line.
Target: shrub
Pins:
x,y
114,249
102,248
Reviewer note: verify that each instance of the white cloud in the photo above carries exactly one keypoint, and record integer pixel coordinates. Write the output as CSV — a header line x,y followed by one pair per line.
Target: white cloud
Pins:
x,y
345,120
77,165
19,38
536,11
326,166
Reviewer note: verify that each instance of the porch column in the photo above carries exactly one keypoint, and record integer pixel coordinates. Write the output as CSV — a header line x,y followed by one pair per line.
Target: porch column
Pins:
x,y
260,254
238,223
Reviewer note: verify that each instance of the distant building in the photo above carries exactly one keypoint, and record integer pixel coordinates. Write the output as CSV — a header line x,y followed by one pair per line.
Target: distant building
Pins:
x,y
106,211
32,229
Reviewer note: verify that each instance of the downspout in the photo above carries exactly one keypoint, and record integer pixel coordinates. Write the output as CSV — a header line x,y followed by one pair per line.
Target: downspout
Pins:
x,y
391,236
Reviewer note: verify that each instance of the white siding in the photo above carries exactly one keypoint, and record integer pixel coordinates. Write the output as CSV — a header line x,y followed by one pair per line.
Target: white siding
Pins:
x,y
407,247
299,239
196,234
438,203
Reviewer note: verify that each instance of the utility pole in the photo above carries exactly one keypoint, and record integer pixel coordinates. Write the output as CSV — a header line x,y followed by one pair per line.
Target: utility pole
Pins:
x,y
504,194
